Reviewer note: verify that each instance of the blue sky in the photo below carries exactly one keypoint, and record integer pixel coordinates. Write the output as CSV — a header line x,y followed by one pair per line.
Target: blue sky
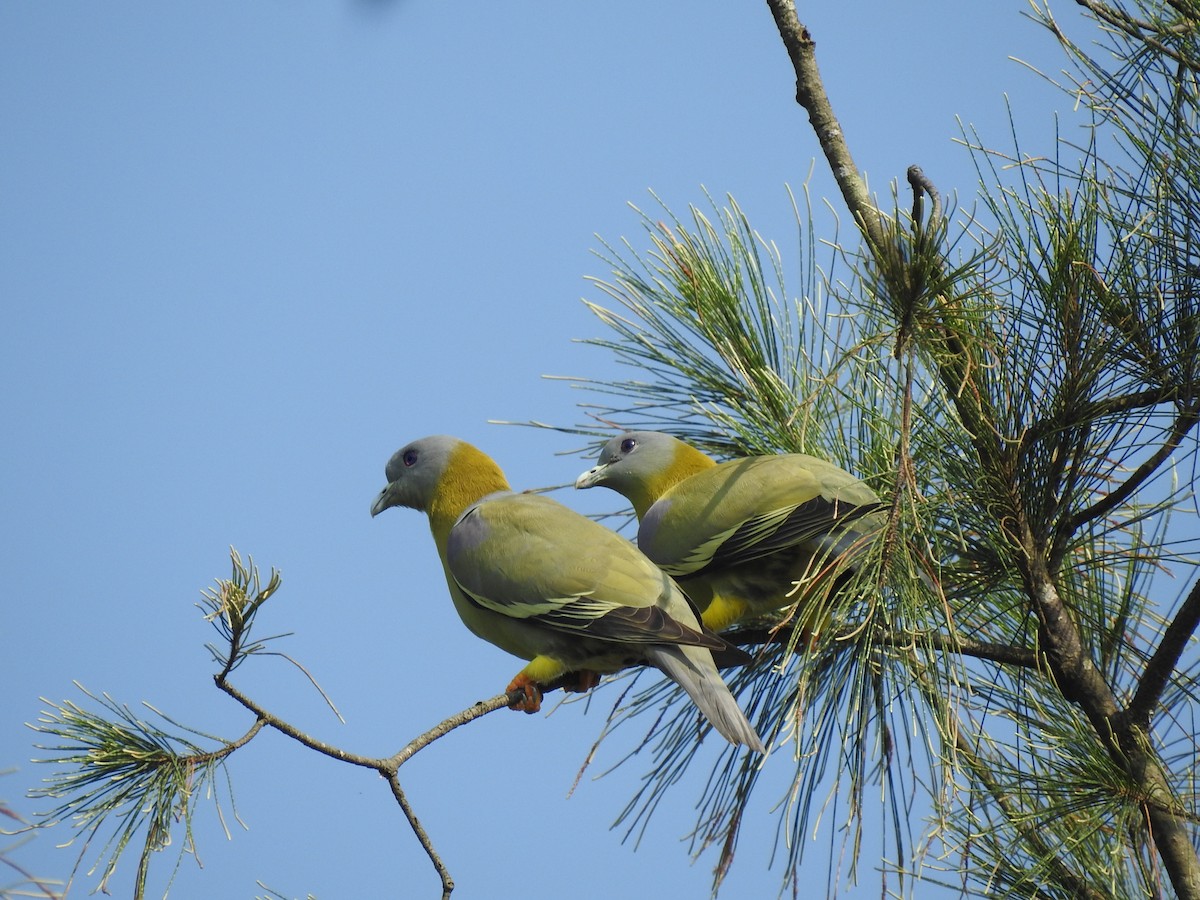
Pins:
x,y
248,250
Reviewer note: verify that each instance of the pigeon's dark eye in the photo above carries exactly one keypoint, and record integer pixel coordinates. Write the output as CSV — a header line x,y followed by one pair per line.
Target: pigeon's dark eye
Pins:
x,y
410,457
627,445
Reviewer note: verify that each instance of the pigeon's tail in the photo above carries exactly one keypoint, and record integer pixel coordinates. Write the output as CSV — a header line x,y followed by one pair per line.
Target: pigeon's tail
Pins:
x,y
693,669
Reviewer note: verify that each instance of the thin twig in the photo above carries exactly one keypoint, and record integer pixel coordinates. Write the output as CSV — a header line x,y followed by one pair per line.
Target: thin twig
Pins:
x,y
227,748
422,835
470,714
356,759
388,766
29,878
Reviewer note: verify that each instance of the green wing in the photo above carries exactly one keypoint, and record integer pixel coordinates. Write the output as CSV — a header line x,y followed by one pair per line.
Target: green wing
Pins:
x,y
527,557
747,509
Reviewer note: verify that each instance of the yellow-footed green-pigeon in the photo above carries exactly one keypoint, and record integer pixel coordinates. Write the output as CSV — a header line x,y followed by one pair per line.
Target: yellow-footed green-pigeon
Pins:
x,y
742,534
552,586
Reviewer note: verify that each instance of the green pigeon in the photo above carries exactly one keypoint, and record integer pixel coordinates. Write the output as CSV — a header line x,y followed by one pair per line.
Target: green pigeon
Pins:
x,y
746,537
553,587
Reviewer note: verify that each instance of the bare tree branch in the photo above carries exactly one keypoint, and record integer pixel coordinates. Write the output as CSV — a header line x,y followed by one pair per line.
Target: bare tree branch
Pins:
x,y
810,94
286,728
470,714
422,835
388,766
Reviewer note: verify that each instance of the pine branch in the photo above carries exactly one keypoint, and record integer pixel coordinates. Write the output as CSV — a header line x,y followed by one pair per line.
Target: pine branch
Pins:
x,y
1182,426
1144,31
1000,653
1161,666
1011,472
810,94
114,766
1100,409
119,766
388,766
1064,875
233,608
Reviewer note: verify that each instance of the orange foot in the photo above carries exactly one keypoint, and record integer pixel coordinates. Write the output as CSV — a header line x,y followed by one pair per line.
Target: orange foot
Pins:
x,y
580,682
531,694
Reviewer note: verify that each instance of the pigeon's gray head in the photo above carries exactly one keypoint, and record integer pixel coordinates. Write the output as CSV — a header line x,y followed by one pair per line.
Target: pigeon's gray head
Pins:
x,y
632,460
414,473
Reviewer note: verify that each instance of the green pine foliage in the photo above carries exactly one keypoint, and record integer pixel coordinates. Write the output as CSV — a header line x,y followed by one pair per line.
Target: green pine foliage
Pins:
x,y
1021,387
